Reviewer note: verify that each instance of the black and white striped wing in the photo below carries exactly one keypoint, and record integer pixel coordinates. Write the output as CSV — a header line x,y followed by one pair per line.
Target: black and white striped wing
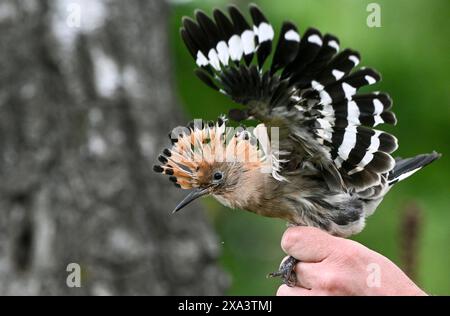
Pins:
x,y
231,54
309,86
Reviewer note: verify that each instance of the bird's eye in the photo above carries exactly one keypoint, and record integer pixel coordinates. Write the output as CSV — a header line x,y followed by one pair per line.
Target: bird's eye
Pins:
x,y
218,176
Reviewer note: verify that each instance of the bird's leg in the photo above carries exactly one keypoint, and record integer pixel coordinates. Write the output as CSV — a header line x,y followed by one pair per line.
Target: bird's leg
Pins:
x,y
286,272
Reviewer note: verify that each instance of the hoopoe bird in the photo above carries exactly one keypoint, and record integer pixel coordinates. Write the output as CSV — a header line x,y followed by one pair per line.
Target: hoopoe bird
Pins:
x,y
315,159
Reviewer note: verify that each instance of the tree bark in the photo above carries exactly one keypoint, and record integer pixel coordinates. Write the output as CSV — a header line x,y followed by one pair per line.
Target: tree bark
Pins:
x,y
86,101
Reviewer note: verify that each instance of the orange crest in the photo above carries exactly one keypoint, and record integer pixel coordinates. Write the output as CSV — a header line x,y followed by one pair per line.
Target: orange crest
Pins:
x,y
199,146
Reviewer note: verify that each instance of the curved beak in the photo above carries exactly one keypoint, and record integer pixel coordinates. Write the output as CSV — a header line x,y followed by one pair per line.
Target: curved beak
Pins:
x,y
195,194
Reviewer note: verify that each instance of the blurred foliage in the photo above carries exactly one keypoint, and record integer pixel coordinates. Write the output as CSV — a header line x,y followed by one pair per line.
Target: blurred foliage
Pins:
x,y
411,51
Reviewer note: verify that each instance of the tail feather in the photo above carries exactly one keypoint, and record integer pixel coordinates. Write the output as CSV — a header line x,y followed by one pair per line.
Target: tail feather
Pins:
x,y
406,167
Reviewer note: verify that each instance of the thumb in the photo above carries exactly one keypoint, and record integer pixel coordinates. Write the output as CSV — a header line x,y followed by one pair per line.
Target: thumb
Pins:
x,y
309,244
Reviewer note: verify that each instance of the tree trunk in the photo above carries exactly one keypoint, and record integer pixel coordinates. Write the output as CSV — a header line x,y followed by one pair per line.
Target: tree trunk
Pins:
x,y
86,101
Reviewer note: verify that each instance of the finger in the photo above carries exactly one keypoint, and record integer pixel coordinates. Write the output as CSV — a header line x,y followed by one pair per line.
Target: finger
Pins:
x,y
285,290
307,274
308,244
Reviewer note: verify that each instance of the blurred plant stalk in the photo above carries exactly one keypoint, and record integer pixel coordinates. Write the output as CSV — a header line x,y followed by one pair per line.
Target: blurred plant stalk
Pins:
x,y
410,232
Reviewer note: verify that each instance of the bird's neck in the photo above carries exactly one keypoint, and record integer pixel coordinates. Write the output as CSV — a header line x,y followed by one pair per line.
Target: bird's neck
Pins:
x,y
249,190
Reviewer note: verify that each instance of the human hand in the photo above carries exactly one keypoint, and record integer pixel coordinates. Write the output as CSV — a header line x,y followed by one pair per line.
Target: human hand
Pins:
x,y
336,266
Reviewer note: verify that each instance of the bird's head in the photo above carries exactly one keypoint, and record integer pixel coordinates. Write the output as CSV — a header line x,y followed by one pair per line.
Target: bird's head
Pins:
x,y
209,158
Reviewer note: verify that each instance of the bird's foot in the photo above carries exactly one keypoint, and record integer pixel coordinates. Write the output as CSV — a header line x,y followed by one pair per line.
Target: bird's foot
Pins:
x,y
286,272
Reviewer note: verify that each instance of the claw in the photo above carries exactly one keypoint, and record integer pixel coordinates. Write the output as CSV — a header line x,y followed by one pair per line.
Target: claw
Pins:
x,y
286,272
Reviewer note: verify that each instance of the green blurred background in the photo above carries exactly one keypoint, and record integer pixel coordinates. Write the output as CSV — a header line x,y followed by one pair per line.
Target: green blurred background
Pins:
x,y
411,51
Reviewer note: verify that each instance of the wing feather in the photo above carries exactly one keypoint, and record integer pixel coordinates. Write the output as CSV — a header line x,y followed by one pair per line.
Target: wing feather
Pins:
x,y
309,90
